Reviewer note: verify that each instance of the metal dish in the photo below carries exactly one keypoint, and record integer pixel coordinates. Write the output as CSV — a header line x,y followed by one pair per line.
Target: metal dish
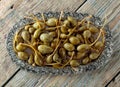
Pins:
x,y
104,57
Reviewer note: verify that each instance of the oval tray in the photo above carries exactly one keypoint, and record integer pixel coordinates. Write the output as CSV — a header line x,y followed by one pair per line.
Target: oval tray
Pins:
x,y
104,57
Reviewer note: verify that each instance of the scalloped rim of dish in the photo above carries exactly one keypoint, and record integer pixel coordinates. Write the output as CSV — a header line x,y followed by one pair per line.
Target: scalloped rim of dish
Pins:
x,y
101,61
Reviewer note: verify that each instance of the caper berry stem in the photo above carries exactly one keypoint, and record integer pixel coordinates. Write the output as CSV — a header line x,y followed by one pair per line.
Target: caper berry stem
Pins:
x,y
103,39
33,40
33,18
88,24
86,42
46,37
33,49
102,31
15,40
43,17
83,20
74,68
56,48
52,64
68,60
103,34
58,65
97,38
52,28
58,31
36,20
61,13
70,34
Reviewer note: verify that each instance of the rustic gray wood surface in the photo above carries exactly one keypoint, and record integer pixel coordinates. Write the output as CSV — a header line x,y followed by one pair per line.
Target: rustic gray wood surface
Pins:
x,y
115,82
13,10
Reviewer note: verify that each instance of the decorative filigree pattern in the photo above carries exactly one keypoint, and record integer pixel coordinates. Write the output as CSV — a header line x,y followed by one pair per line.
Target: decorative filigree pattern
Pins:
x,y
104,57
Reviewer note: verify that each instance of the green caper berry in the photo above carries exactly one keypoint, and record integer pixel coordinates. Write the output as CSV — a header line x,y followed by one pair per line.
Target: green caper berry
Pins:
x,y
20,47
99,45
85,60
87,34
93,56
74,63
49,59
23,55
25,35
72,20
46,37
52,22
31,30
37,33
44,49
69,46
27,27
74,40
83,47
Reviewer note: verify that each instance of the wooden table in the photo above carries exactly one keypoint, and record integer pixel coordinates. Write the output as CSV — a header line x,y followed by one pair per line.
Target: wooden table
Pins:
x,y
13,10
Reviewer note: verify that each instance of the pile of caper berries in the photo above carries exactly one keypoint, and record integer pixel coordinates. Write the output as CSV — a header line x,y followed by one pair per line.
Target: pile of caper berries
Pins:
x,y
58,42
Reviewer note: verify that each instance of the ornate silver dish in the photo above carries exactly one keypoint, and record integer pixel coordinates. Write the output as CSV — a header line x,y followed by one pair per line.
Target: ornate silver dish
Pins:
x,y
101,61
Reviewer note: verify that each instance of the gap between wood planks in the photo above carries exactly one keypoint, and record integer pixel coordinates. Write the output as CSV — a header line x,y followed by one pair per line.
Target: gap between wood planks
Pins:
x,y
112,79
7,81
10,16
3,85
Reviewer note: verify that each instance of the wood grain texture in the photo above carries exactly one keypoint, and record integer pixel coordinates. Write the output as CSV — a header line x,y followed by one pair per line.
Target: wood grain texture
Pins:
x,y
98,78
115,82
7,67
29,80
7,20
10,13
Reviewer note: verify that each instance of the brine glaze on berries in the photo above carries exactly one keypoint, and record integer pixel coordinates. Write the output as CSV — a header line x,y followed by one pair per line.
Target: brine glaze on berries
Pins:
x,y
56,42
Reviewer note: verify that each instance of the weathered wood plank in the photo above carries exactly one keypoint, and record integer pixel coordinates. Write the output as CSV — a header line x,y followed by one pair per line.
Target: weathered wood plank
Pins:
x,y
6,7
115,82
99,77
112,12
7,67
102,76
29,80
13,10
